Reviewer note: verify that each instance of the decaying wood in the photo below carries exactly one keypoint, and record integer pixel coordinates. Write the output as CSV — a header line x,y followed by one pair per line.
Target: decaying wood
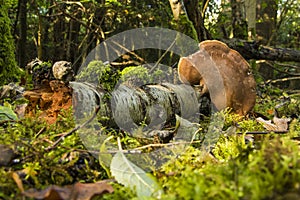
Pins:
x,y
130,106
253,50
50,99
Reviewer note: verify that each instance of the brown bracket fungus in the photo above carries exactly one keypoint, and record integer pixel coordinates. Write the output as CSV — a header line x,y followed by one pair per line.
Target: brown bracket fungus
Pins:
x,y
223,73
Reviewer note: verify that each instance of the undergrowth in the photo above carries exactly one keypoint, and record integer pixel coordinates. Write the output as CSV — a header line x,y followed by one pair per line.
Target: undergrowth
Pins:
x,y
239,166
39,163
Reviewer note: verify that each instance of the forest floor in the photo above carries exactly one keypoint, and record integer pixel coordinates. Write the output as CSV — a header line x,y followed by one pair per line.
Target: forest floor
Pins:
x,y
43,156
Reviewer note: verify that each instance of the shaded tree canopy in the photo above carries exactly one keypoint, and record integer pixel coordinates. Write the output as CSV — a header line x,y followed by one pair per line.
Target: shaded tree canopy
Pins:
x,y
69,30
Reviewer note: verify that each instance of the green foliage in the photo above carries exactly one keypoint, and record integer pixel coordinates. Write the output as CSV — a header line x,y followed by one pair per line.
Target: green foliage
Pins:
x,y
39,162
218,19
120,193
288,33
9,72
140,75
272,97
130,175
6,113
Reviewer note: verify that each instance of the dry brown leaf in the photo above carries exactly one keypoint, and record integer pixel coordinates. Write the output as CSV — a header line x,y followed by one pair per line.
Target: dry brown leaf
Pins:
x,y
18,181
267,124
279,125
78,191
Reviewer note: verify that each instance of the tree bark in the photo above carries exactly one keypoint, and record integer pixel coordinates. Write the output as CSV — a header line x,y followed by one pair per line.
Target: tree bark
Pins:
x,y
128,106
251,18
239,23
8,66
194,14
253,50
59,27
23,33
266,17
74,28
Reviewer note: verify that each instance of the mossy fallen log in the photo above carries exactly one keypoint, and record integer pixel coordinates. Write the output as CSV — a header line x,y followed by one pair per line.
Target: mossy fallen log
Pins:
x,y
129,107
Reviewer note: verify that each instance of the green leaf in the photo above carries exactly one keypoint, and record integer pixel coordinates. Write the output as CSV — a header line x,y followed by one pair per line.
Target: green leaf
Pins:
x,y
7,113
130,175
105,157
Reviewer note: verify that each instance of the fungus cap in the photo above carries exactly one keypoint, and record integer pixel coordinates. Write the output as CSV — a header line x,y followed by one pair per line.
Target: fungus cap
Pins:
x,y
215,60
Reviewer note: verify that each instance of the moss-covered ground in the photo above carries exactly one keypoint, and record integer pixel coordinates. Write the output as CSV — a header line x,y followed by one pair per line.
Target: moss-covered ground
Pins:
x,y
240,166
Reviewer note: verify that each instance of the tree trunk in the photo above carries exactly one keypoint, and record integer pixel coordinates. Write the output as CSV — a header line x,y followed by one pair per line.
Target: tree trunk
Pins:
x,y
74,28
176,8
46,39
129,106
23,34
251,18
8,66
266,17
239,23
59,37
195,16
39,38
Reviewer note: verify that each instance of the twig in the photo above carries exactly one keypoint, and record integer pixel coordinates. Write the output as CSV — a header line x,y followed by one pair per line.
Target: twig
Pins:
x,y
281,71
165,53
73,130
119,144
40,132
287,65
7,121
283,79
128,51
263,132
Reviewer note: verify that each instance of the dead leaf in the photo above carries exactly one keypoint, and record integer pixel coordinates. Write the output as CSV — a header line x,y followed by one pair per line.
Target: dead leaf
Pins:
x,y
87,191
279,125
78,191
18,181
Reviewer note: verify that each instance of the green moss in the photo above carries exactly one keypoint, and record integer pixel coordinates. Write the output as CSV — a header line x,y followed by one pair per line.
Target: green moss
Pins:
x,y
185,26
100,74
137,75
39,162
9,72
268,172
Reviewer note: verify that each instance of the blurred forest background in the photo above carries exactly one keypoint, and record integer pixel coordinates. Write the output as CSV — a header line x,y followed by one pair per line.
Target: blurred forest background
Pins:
x,y
55,30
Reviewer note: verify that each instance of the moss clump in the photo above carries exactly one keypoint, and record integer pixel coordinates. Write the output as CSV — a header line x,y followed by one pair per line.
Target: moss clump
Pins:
x,y
100,74
136,75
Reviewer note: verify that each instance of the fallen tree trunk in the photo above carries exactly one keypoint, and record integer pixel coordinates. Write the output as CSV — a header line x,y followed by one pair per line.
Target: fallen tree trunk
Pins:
x,y
253,50
129,107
